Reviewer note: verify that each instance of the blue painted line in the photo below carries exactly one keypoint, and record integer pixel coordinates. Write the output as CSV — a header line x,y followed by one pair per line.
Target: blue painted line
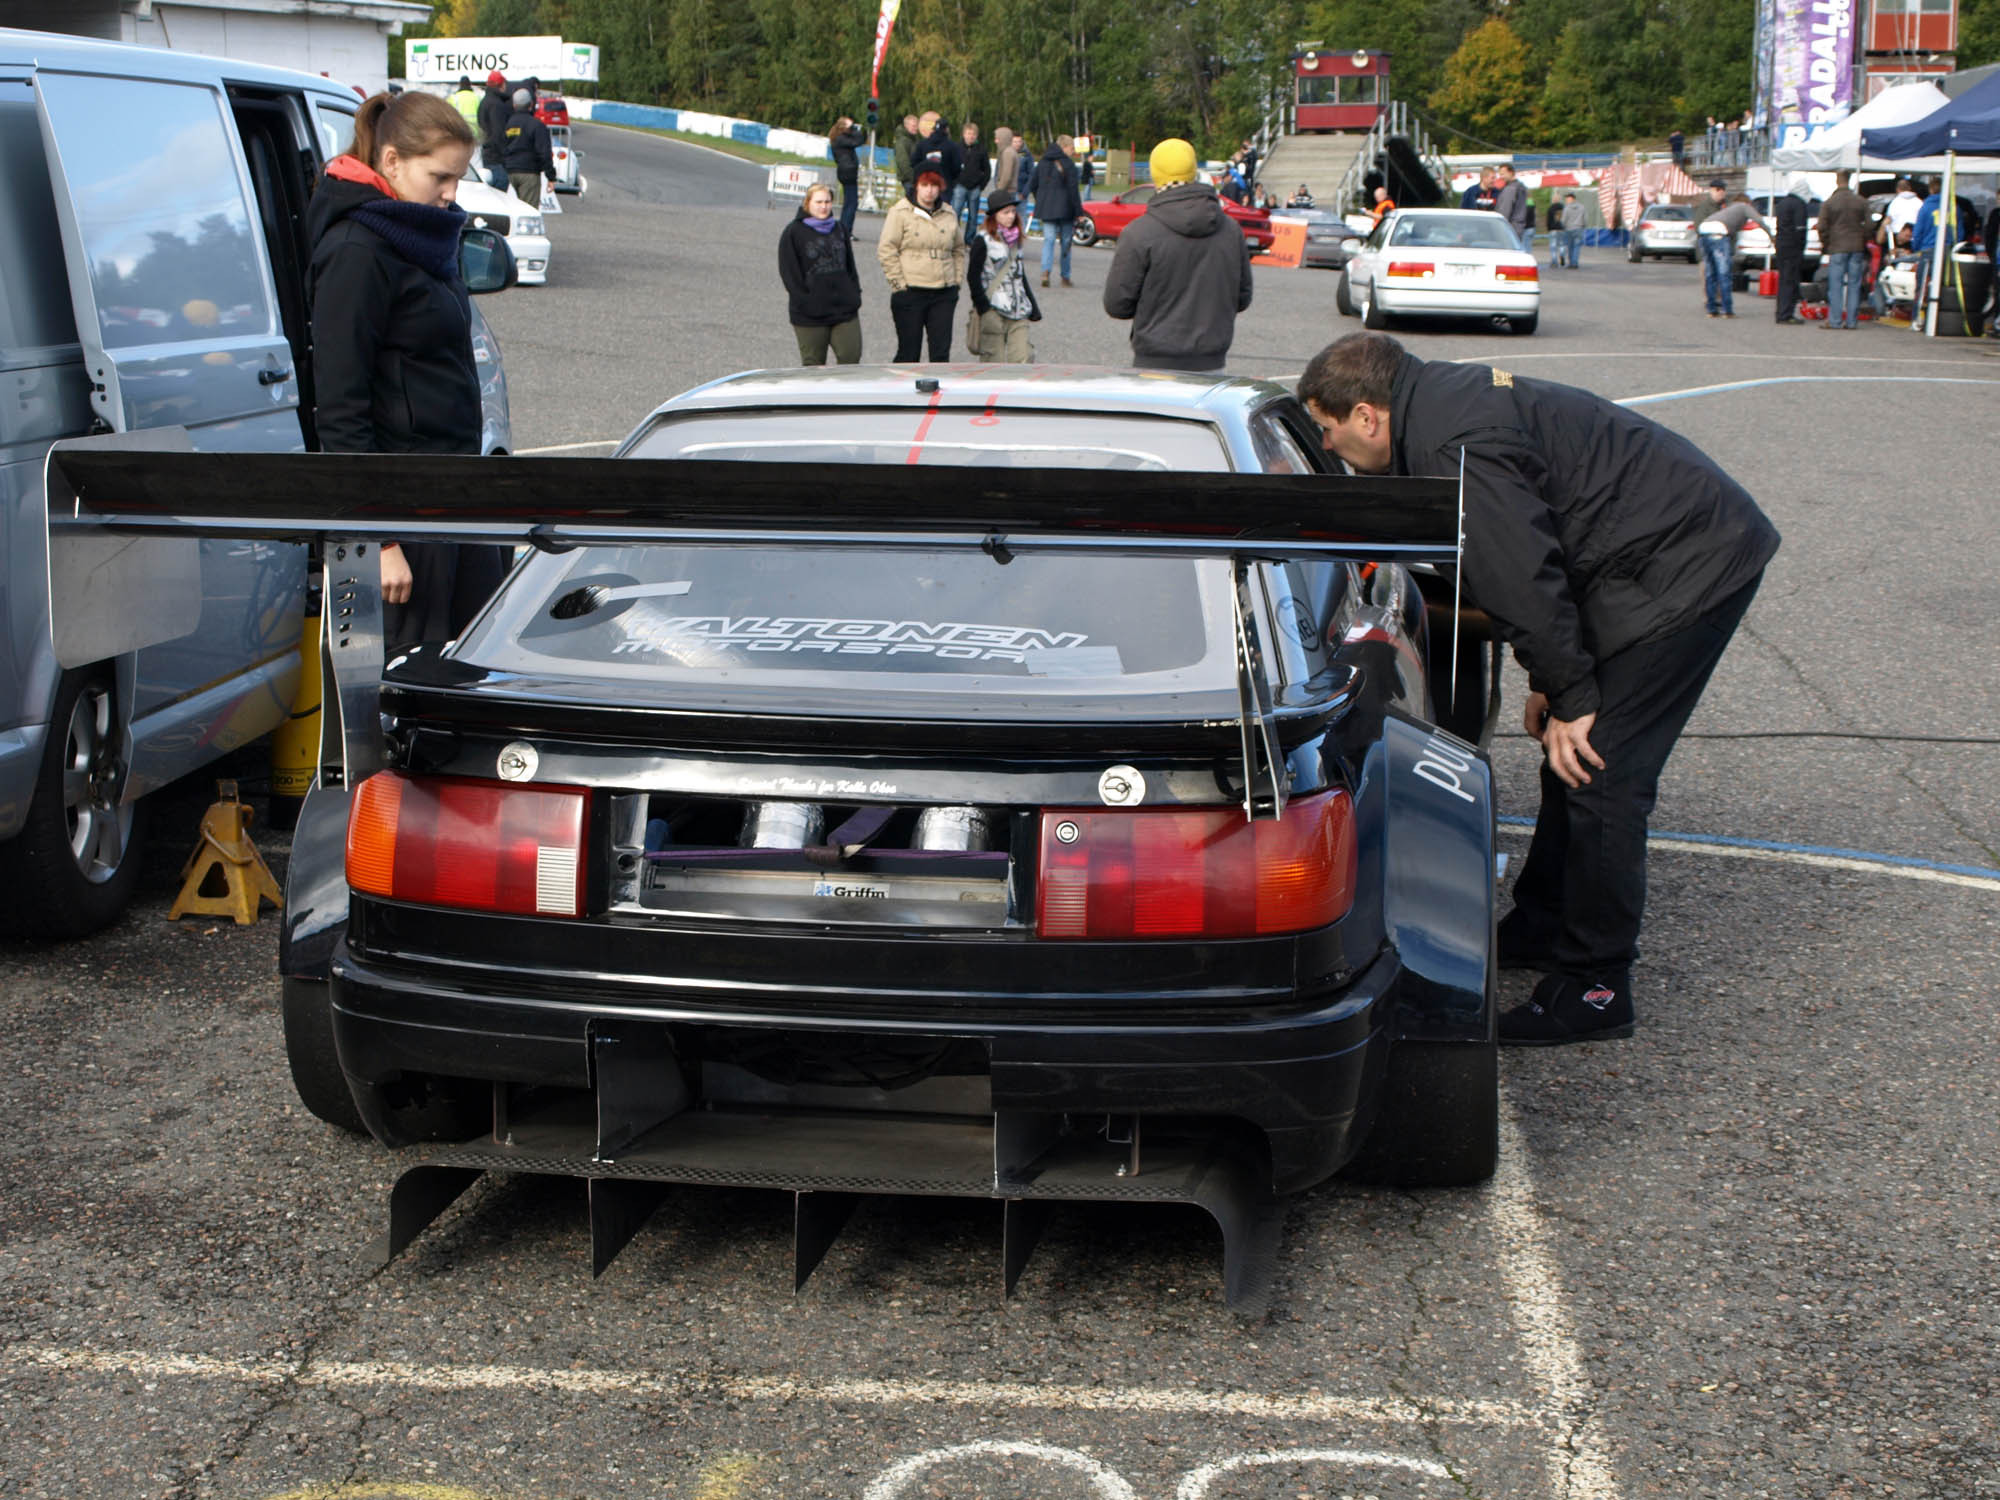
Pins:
x,y
1897,861
1744,385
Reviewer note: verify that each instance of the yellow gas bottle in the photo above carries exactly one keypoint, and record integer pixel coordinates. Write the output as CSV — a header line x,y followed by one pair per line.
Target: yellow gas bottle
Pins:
x,y
295,743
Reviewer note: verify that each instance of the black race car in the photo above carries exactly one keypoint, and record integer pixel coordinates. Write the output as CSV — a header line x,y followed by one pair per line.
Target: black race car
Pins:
x,y
1033,784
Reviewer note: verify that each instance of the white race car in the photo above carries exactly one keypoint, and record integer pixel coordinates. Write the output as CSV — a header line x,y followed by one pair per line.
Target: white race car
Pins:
x,y
490,208
1441,263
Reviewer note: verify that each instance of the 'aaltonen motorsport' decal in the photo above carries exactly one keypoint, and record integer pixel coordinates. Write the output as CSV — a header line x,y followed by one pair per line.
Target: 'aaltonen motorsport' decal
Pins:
x,y
951,639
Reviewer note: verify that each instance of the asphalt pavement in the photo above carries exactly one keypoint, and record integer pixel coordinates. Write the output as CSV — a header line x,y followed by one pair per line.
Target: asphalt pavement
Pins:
x,y
1750,1252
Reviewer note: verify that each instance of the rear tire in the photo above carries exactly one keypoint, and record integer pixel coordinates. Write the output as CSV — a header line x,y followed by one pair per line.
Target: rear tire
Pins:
x,y
1083,234
1438,1120
1343,303
1634,256
316,1075
1372,315
1527,325
75,863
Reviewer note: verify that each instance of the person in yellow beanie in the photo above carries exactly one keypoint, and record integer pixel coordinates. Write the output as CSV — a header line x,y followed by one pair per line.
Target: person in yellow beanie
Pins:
x,y
1182,271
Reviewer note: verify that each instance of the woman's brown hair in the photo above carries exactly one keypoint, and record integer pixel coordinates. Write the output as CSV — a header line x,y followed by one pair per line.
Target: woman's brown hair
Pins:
x,y
416,124
840,127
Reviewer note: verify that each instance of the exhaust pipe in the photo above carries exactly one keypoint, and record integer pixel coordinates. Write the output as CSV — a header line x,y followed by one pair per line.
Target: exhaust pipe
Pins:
x,y
954,828
782,825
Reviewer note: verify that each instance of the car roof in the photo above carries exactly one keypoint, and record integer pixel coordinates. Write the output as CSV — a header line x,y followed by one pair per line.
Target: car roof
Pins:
x,y
43,49
1161,393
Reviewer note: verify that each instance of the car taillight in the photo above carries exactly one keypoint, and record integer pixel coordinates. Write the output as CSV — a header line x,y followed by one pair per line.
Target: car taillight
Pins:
x,y
1412,268
1178,872
1517,273
488,845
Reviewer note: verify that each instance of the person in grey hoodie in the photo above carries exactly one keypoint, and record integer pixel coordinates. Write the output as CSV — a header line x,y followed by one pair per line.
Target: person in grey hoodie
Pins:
x,y
1182,271
1512,204
1572,231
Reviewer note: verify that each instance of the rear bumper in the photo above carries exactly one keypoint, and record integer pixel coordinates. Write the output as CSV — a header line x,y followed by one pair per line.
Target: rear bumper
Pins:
x,y
1443,302
1302,1080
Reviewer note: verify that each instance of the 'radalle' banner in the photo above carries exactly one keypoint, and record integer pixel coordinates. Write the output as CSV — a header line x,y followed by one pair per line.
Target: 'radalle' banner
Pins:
x,y
1812,66
884,24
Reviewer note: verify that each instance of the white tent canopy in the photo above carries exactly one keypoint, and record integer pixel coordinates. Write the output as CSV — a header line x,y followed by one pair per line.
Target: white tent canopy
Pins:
x,y
1840,145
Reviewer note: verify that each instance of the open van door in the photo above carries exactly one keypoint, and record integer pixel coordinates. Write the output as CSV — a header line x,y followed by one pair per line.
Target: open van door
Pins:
x,y
174,302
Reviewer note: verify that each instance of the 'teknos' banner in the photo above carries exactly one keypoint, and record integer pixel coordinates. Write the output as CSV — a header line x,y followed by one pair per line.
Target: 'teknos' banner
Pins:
x,y
446,59
1812,66
884,24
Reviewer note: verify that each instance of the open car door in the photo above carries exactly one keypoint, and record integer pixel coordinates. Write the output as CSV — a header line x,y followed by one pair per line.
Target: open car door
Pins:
x,y
175,308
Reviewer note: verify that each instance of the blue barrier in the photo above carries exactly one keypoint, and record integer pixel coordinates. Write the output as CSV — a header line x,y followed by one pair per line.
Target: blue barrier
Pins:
x,y
651,116
749,134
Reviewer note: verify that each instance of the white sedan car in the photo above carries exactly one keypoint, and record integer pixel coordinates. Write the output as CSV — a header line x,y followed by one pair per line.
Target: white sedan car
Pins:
x,y
488,207
1441,263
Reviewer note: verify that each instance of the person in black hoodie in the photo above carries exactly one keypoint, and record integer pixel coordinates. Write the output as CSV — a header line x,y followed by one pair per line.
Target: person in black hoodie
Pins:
x,y
935,150
1617,559
1058,200
845,141
393,370
494,108
1181,272
816,263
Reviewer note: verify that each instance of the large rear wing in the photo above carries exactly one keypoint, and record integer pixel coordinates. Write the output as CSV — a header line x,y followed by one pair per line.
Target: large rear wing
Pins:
x,y
126,515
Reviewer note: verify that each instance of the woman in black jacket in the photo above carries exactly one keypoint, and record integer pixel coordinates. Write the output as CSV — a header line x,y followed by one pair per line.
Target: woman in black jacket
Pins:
x,y
845,140
816,263
393,370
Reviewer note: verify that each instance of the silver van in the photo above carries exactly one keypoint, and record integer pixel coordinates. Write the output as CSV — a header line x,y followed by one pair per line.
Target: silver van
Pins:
x,y
152,275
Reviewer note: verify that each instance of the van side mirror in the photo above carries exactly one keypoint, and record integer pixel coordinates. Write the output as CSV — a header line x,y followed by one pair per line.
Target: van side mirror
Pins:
x,y
485,261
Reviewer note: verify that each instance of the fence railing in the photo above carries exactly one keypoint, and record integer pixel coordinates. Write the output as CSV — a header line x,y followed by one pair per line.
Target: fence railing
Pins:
x,y
1396,119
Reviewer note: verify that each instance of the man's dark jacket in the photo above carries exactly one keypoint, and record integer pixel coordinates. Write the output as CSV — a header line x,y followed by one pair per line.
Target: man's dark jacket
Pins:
x,y
1181,274
393,370
1588,528
1057,196
939,153
528,147
977,170
1790,238
494,108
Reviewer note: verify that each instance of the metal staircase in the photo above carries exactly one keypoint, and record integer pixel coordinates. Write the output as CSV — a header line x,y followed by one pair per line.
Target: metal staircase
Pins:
x,y
1344,160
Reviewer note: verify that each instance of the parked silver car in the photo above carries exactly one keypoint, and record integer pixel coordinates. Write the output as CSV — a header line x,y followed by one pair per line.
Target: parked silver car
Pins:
x,y
149,278
1664,229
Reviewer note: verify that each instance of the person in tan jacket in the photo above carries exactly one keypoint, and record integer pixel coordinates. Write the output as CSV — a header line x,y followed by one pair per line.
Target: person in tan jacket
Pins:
x,y
922,251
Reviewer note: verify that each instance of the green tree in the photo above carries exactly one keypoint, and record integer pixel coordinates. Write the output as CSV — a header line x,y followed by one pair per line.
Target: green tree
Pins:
x,y
1978,32
1486,91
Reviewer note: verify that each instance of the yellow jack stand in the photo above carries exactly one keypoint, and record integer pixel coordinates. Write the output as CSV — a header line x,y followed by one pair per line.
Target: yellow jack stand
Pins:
x,y
225,853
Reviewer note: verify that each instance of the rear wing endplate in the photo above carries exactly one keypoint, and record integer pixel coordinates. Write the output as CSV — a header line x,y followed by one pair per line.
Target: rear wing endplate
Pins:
x,y
100,490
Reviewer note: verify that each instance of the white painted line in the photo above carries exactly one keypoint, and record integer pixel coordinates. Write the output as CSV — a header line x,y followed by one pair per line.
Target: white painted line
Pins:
x,y
568,447
973,1395
1195,1486
1533,1287
1744,385
1804,857
1705,356
1106,1482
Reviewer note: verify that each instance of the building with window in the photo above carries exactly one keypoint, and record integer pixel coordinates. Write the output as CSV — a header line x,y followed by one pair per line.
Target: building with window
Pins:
x,y
346,40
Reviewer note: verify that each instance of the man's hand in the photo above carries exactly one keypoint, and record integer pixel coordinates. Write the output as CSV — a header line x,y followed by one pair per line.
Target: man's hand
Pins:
x,y
395,575
1566,743
1535,714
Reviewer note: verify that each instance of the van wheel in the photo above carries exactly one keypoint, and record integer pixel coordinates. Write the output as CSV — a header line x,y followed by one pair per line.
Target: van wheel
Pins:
x,y
1343,301
73,867
322,1087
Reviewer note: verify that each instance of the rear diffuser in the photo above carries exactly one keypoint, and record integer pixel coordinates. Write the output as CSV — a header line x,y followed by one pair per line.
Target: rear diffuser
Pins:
x,y
640,1143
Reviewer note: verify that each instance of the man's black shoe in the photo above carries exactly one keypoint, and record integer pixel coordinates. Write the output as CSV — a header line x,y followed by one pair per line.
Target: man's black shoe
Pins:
x,y
1523,944
1566,1009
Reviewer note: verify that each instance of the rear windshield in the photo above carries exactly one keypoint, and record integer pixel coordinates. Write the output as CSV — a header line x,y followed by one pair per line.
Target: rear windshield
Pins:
x,y
1472,231
758,615
1660,211
988,437
776,617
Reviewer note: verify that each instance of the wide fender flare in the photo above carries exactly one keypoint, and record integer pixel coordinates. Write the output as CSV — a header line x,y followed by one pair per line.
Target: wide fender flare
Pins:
x,y
1438,880
316,895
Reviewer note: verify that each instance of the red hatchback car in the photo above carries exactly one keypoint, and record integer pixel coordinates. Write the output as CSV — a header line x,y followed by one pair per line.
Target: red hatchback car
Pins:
x,y
552,109
1108,219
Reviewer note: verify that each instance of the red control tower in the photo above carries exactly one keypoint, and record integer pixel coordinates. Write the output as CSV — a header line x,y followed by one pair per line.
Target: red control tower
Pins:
x,y
1338,90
